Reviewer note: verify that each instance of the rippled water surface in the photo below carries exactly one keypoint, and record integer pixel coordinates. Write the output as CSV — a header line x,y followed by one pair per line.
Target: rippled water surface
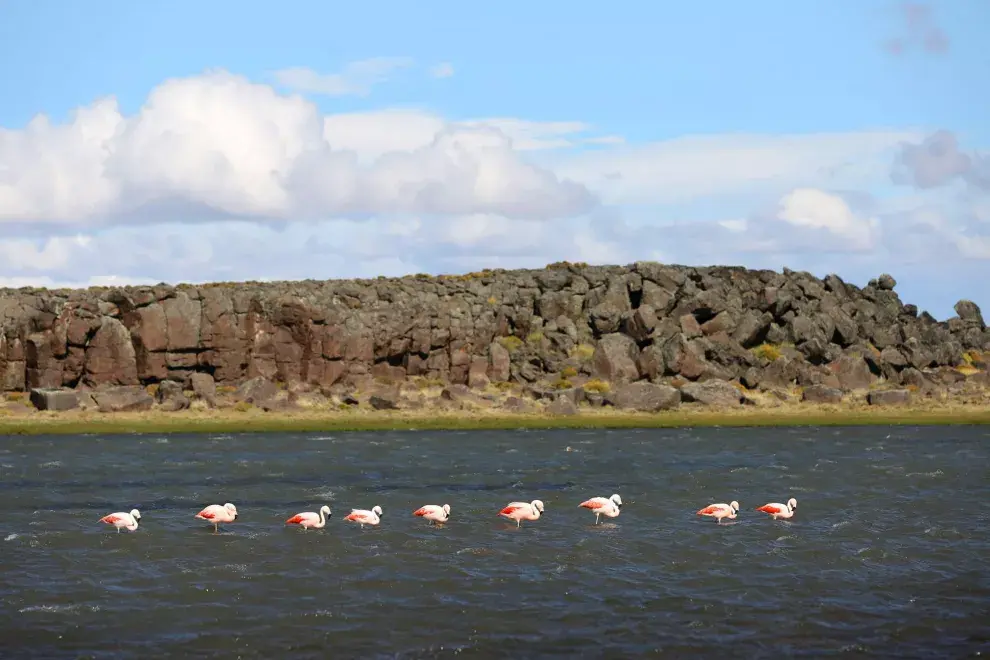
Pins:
x,y
887,555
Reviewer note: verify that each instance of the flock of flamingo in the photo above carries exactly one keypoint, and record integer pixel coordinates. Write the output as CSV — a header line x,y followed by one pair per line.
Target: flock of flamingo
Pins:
x,y
438,515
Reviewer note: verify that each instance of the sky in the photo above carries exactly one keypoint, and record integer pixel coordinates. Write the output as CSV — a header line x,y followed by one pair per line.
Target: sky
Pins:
x,y
225,141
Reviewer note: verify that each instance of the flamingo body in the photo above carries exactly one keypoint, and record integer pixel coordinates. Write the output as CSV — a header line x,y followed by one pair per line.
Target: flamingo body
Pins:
x,y
217,514
520,511
308,519
435,514
122,520
365,517
720,510
602,506
778,510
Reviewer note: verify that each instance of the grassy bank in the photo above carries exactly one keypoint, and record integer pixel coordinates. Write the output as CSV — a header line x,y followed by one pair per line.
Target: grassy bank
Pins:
x,y
231,421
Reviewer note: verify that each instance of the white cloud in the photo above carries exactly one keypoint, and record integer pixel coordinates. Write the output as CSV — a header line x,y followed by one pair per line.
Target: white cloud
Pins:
x,y
356,79
807,207
442,70
683,169
219,144
404,190
374,133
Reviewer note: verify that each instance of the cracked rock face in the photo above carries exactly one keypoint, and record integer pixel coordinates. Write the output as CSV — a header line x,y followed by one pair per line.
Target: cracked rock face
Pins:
x,y
644,322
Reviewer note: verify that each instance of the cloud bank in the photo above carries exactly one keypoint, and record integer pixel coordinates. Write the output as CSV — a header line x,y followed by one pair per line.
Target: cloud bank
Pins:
x,y
217,177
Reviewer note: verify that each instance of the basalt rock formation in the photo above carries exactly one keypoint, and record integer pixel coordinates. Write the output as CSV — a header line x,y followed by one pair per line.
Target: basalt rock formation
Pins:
x,y
668,325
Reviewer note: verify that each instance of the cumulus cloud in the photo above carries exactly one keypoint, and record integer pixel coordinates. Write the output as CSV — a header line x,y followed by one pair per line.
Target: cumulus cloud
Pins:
x,y
819,210
219,143
357,78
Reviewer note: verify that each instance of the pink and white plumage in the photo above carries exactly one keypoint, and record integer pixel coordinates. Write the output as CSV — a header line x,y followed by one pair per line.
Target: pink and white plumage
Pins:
x,y
437,515
720,510
121,520
602,506
520,511
217,514
364,516
308,519
778,510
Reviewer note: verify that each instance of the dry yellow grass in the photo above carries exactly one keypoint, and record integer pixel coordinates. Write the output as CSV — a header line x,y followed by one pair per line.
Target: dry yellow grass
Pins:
x,y
253,419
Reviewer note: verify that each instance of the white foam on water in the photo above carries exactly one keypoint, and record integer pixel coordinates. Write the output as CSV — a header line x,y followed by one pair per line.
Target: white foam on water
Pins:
x,y
59,608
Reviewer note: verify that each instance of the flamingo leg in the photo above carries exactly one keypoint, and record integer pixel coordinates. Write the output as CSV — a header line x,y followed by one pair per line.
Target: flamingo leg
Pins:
x,y
518,521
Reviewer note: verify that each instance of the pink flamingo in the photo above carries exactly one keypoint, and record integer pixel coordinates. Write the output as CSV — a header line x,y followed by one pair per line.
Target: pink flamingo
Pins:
x,y
128,521
520,511
217,514
601,506
365,517
778,510
437,515
308,519
720,510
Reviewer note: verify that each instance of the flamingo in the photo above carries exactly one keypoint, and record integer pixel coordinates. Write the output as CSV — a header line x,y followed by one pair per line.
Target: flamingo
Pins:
x,y
604,507
365,517
720,510
128,521
308,519
778,510
520,511
435,514
217,514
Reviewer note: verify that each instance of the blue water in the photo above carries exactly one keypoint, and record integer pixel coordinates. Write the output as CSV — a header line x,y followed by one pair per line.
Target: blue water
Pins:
x,y
887,555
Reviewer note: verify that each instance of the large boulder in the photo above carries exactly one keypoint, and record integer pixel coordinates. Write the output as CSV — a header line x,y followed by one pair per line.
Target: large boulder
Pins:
x,y
715,393
889,397
123,399
54,399
615,359
645,397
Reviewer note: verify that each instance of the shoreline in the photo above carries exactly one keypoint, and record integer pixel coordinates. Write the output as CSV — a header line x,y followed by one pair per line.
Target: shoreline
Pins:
x,y
257,421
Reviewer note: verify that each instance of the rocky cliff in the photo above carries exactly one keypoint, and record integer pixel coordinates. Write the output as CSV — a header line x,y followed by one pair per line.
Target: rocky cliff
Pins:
x,y
567,322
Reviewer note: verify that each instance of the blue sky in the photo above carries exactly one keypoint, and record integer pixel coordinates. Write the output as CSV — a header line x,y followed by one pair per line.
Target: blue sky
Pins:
x,y
241,141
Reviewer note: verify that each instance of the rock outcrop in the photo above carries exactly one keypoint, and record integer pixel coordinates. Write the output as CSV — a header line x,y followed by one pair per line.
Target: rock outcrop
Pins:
x,y
668,326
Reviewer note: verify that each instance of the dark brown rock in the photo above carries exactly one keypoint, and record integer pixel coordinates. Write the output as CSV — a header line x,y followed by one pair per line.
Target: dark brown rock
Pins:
x,y
204,387
821,394
645,397
889,397
500,363
53,399
646,320
615,359
256,390
562,406
478,373
132,398
385,399
712,393
853,372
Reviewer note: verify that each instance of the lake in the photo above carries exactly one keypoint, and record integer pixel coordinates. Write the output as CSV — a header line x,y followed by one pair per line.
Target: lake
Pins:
x,y
888,554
